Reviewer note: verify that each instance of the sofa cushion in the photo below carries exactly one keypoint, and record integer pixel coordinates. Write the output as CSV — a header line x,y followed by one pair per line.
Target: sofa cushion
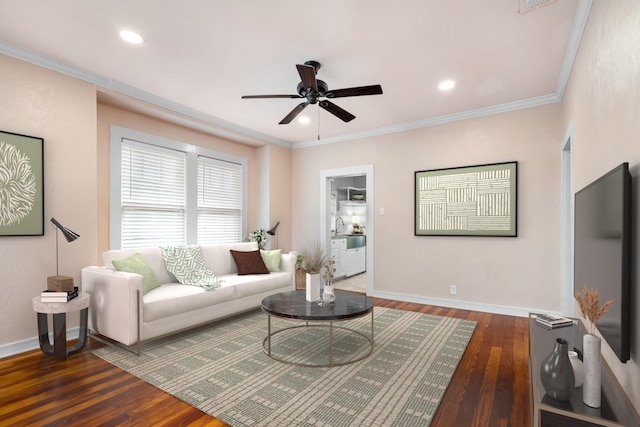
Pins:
x,y
173,299
249,285
272,259
138,264
152,255
187,265
218,258
249,262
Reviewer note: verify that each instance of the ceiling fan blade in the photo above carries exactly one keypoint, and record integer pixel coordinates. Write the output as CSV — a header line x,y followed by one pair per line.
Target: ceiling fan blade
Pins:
x,y
340,113
292,115
355,91
269,96
308,76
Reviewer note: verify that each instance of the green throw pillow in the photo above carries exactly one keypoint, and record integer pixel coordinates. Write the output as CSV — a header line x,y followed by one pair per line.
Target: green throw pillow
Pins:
x,y
138,264
272,259
186,263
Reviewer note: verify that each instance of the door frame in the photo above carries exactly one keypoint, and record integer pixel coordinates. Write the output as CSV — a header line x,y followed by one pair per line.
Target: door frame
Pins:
x,y
566,221
326,175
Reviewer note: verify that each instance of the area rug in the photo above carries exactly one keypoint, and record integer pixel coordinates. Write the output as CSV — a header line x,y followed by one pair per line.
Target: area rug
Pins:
x,y
222,370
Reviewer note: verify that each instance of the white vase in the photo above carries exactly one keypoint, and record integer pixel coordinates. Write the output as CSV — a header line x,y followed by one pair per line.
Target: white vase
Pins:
x,y
313,287
328,295
592,370
578,369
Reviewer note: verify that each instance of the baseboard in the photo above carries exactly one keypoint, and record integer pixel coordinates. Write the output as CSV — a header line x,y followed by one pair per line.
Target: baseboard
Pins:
x,y
29,344
17,347
463,305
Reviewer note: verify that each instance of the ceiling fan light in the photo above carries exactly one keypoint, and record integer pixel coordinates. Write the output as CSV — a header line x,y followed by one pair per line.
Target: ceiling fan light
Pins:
x,y
446,85
305,120
131,37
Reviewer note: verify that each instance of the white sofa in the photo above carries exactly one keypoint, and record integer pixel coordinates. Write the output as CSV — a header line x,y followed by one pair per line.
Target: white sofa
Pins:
x,y
121,312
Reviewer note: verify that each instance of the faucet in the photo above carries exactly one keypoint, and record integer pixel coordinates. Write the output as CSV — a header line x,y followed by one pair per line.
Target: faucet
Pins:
x,y
341,220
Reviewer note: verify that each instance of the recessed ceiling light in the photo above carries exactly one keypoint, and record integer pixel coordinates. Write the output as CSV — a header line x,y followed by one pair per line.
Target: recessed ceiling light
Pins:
x,y
446,85
131,37
304,120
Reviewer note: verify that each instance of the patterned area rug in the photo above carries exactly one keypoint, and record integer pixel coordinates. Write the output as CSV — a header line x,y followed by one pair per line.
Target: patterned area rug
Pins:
x,y
222,370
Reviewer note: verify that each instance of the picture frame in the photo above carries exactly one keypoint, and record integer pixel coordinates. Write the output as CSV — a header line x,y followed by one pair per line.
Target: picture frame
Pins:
x,y
479,200
21,185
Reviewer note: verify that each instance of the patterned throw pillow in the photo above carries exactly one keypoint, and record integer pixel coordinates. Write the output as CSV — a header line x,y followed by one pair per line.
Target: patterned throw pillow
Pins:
x,y
138,264
186,263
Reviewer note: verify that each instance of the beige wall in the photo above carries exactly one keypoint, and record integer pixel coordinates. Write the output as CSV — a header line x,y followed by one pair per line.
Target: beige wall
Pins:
x,y
517,272
280,158
62,110
602,101
75,128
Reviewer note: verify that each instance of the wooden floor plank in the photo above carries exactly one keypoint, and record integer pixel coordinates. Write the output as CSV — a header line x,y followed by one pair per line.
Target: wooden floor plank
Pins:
x,y
489,388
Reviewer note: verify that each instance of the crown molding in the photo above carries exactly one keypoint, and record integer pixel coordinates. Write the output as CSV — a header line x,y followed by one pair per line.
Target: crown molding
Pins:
x,y
577,29
212,124
216,126
465,115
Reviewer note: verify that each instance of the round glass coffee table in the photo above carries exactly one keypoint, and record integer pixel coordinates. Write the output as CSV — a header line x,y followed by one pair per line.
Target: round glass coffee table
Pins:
x,y
293,305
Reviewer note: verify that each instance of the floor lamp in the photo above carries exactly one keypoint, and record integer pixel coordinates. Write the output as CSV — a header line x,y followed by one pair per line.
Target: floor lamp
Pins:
x,y
57,282
272,232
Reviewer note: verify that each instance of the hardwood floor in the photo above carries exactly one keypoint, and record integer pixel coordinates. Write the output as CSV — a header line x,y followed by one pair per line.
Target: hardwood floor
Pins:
x,y
489,388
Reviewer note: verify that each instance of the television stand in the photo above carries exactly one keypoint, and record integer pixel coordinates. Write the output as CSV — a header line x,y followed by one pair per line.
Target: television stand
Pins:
x,y
616,410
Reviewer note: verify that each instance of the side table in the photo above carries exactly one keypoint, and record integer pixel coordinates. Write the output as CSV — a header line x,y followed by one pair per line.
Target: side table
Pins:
x,y
59,311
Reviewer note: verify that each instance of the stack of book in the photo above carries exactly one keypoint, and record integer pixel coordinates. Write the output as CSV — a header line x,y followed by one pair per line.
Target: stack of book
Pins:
x,y
551,321
58,296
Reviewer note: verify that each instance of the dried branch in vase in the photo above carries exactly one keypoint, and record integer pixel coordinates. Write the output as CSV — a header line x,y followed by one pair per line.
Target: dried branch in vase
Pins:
x,y
589,305
329,271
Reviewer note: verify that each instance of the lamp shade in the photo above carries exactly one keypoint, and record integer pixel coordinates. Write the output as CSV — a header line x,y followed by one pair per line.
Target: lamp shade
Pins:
x,y
272,231
68,234
57,282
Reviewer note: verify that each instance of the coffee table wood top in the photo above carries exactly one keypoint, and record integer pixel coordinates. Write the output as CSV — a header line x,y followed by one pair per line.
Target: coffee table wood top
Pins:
x,y
294,305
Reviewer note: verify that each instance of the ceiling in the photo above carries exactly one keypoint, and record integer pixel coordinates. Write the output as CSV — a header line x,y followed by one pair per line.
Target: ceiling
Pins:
x,y
200,56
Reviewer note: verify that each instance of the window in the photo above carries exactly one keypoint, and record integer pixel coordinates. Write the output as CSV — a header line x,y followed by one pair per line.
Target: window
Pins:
x,y
219,201
164,192
154,196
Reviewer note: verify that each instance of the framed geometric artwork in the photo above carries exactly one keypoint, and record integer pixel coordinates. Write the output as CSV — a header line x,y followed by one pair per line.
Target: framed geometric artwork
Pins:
x,y
21,185
467,201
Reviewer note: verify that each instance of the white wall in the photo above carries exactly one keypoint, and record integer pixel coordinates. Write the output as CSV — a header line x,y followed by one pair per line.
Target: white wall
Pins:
x,y
61,110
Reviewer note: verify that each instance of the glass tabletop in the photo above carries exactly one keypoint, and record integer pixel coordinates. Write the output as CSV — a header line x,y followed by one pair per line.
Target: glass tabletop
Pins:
x,y
294,305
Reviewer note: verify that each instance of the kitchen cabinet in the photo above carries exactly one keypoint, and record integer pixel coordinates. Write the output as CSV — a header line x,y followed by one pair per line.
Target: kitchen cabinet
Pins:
x,y
356,261
339,254
353,193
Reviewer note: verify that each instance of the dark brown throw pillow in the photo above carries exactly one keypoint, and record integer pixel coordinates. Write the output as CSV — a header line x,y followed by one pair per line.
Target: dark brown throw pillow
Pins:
x,y
249,262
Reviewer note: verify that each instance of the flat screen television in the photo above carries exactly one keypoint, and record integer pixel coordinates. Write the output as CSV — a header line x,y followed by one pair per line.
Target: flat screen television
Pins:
x,y
602,252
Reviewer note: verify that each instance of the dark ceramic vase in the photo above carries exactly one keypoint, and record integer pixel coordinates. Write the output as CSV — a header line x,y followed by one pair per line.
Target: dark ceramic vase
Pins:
x,y
556,372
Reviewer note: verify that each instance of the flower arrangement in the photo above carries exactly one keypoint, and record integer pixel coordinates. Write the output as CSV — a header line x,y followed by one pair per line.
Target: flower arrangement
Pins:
x,y
329,271
313,258
259,236
590,308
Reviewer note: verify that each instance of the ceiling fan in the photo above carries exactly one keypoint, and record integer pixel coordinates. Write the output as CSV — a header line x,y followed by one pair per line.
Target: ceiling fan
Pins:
x,y
313,89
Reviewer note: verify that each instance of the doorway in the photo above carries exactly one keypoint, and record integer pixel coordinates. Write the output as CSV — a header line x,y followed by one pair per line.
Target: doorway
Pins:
x,y
355,202
568,306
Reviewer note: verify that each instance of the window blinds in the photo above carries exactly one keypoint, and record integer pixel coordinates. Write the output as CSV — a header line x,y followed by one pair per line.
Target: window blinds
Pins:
x,y
158,192
153,196
219,201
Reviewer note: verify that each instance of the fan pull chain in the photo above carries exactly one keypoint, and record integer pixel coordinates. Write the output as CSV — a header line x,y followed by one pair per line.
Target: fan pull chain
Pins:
x,y
318,123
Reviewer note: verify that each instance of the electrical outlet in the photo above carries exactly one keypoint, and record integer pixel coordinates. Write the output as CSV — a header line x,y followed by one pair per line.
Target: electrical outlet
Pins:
x,y
453,289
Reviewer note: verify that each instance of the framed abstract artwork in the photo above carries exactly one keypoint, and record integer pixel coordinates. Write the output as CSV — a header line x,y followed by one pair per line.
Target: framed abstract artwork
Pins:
x,y
467,201
21,185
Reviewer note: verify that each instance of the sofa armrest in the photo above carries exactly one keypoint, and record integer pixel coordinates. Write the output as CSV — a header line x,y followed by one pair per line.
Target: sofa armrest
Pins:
x,y
288,264
116,303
